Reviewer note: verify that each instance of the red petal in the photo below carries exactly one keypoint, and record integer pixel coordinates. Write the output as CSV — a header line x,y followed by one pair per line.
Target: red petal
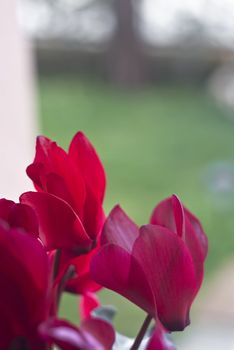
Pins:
x,y
163,215
83,282
23,216
178,215
86,158
115,268
171,214
88,303
94,216
168,266
50,158
119,229
24,274
101,330
59,226
199,232
5,208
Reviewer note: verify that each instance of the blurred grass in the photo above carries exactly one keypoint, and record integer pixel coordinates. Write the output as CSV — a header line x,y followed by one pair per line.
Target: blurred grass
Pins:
x,y
153,143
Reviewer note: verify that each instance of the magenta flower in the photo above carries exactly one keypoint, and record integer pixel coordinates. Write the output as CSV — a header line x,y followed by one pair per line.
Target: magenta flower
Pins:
x,y
68,204
93,334
159,268
71,189
24,303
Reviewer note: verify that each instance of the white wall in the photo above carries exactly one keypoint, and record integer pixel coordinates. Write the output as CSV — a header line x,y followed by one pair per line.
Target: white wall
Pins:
x,y
17,104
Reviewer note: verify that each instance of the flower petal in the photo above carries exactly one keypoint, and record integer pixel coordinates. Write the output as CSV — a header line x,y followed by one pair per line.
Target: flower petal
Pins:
x,y
59,226
24,271
86,158
115,268
52,159
88,303
159,340
23,216
168,265
119,229
5,208
93,334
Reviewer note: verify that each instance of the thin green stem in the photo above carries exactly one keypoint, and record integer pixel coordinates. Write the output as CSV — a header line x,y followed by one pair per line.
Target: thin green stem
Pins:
x,y
141,333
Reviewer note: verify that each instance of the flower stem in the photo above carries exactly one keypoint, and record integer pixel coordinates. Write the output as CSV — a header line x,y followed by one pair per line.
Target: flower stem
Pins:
x,y
141,333
56,263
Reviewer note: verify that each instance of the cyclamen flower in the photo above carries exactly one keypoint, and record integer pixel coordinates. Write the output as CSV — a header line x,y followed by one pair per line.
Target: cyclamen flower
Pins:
x,y
68,204
159,266
24,270
71,189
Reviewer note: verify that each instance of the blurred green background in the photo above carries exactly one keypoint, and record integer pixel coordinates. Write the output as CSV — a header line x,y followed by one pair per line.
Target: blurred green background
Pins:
x,y
153,142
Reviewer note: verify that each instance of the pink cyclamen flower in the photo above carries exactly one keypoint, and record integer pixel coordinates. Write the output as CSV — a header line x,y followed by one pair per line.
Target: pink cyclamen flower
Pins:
x,y
93,334
159,267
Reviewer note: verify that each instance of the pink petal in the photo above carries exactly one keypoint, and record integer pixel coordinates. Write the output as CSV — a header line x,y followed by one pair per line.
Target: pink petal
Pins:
x,y
119,229
86,158
115,268
163,215
93,334
171,214
59,226
168,266
199,232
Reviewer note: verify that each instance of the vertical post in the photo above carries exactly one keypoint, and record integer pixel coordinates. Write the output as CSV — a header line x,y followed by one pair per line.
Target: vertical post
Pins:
x,y
17,107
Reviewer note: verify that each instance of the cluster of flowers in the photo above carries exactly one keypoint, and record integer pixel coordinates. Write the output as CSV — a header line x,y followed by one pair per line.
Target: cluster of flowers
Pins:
x,y
57,239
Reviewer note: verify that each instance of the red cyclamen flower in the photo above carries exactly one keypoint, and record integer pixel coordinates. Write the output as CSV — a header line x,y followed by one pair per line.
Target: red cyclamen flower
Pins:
x,y
71,189
24,270
68,204
159,267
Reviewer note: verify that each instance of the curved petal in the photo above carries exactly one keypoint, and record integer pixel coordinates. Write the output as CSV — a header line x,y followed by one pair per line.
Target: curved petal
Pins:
x,y
93,334
24,271
163,215
23,216
50,158
94,217
88,303
199,232
171,214
159,340
59,226
167,263
5,208
115,268
119,229
83,282
86,158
